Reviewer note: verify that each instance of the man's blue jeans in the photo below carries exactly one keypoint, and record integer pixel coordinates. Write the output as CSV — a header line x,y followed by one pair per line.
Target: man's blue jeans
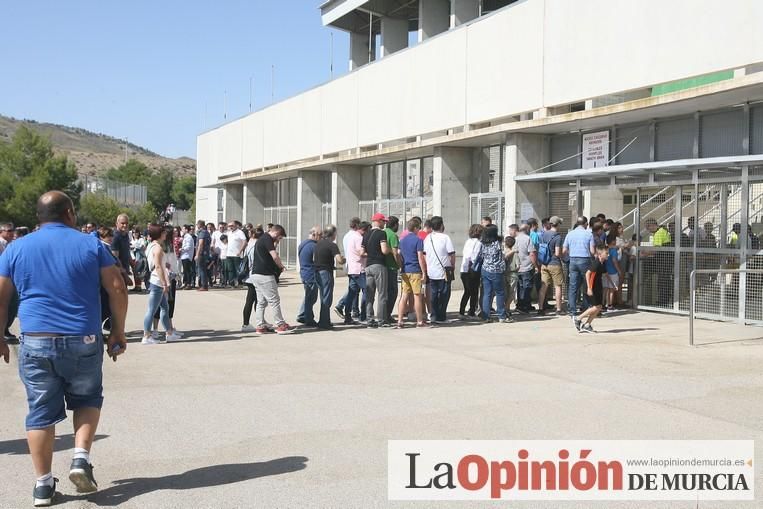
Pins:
x,y
325,279
350,301
201,270
578,267
306,314
524,290
440,297
492,283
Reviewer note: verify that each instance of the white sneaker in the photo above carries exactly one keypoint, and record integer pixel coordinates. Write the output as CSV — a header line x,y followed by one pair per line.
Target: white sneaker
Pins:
x,y
155,334
178,333
148,340
173,337
248,328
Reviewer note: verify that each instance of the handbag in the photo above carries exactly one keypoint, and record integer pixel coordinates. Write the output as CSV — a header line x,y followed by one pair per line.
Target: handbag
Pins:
x,y
450,275
476,265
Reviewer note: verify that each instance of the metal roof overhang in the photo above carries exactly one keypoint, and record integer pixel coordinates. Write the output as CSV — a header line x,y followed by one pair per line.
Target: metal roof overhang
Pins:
x,y
641,168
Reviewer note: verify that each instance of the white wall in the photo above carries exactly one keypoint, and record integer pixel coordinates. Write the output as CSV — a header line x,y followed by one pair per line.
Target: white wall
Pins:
x,y
531,55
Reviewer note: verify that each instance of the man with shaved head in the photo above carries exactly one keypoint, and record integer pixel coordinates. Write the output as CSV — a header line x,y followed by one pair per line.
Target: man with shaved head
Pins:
x,y
58,273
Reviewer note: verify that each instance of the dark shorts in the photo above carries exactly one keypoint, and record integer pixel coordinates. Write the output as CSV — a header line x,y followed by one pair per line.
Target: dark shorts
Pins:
x,y
58,370
598,297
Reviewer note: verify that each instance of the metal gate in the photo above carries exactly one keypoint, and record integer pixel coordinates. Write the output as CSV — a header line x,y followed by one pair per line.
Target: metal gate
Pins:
x,y
487,205
404,209
565,205
286,217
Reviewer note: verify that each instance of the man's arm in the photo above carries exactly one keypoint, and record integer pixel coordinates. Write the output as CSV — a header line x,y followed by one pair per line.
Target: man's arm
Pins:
x,y
243,246
452,258
422,264
277,259
385,249
6,292
112,282
397,257
199,248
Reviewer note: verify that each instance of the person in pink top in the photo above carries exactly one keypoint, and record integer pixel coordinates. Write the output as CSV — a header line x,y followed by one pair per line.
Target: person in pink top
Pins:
x,y
347,307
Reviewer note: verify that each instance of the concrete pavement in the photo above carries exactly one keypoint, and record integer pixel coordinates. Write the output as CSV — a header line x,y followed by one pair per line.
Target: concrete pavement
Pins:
x,y
226,419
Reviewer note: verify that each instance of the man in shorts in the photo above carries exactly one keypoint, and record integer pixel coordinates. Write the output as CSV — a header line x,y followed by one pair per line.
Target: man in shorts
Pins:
x,y
551,273
58,272
595,279
413,265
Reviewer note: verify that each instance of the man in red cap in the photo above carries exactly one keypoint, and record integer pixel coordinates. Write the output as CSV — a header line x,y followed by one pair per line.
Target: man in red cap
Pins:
x,y
375,249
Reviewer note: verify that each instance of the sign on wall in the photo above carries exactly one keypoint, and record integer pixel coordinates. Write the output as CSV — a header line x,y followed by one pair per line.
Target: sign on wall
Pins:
x,y
596,149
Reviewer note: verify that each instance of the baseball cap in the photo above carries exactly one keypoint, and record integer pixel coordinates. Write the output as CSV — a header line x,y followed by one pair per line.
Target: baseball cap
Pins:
x,y
556,220
378,217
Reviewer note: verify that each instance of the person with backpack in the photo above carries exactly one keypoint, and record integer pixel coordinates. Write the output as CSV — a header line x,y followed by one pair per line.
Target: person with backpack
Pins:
x,y
251,292
549,259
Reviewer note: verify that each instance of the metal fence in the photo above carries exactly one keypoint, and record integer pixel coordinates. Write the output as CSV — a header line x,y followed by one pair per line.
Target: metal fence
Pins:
x,y
287,217
403,208
487,205
715,295
124,194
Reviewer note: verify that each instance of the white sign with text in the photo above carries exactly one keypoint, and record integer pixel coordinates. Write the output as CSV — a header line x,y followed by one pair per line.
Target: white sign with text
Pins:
x,y
596,149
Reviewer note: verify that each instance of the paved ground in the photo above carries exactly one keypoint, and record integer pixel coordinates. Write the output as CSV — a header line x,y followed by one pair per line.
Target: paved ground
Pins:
x,y
232,420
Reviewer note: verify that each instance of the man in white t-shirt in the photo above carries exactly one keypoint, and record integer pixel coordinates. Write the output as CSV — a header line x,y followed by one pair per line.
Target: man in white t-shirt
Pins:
x,y
236,246
216,246
440,260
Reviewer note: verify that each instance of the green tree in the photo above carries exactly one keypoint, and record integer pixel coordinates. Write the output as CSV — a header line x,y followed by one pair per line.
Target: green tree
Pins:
x,y
159,189
131,172
184,192
29,168
100,209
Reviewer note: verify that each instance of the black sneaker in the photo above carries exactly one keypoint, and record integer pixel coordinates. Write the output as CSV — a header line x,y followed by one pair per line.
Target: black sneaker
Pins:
x,y
81,474
339,311
576,323
44,495
372,324
587,329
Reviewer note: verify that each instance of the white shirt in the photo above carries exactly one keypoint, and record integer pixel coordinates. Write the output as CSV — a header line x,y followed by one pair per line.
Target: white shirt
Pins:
x,y
236,241
472,249
186,249
437,248
346,243
216,244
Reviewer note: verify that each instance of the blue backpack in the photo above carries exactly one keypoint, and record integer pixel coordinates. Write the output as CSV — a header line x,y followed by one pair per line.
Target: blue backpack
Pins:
x,y
545,254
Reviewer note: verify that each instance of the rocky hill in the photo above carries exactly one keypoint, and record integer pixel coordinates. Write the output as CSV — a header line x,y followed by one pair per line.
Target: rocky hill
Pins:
x,y
94,153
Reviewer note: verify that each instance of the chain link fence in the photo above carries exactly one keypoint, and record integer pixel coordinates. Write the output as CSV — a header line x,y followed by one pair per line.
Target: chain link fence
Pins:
x,y
124,194
286,216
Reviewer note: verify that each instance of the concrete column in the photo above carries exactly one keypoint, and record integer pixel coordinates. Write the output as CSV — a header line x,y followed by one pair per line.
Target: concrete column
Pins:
x,y
254,201
434,18
523,154
234,202
310,194
450,194
463,11
394,35
347,195
359,49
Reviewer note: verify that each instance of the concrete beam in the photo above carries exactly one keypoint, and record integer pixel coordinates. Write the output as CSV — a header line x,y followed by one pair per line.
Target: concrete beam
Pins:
x,y
434,18
394,35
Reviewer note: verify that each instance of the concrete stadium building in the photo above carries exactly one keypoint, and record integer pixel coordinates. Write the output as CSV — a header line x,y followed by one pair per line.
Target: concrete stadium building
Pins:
x,y
524,108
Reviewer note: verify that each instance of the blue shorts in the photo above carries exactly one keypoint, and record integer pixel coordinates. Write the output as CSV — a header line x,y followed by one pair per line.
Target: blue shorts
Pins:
x,y
58,369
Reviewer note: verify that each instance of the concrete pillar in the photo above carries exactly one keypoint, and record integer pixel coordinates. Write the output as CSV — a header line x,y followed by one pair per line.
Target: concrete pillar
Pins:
x,y
346,195
234,202
434,18
394,35
523,154
359,52
452,171
254,201
608,201
310,195
463,11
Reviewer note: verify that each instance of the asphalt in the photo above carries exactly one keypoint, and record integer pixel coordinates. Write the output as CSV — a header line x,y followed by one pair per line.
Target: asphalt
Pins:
x,y
225,419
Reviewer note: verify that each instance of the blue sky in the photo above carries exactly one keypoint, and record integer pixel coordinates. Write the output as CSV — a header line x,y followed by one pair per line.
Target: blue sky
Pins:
x,y
148,70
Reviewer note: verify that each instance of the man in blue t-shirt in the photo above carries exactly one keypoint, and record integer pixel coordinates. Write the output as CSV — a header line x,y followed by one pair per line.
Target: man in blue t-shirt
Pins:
x,y
413,275
307,274
203,242
58,273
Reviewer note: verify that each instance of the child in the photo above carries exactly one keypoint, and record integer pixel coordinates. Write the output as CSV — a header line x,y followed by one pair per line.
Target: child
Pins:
x,y
614,273
511,274
594,277
224,272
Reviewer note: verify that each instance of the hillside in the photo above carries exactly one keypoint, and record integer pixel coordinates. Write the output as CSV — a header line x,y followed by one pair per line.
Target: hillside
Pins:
x,y
94,153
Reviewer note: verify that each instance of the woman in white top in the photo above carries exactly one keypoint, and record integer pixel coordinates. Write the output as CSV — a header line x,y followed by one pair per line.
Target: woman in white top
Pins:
x,y
171,263
159,286
469,276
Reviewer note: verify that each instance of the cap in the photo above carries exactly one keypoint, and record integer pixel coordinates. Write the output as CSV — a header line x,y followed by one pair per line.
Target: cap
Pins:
x,y
556,220
378,217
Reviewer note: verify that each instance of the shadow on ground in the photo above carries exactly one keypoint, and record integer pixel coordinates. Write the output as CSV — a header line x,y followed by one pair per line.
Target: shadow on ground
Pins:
x,y
123,490
19,446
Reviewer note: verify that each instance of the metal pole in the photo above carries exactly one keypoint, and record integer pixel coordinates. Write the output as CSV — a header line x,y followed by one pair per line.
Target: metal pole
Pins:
x,y
692,288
